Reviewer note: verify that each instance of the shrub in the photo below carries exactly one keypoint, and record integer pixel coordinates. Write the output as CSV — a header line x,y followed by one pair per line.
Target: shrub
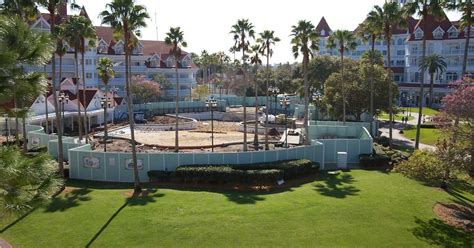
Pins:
x,y
422,165
395,156
159,175
291,168
226,174
373,160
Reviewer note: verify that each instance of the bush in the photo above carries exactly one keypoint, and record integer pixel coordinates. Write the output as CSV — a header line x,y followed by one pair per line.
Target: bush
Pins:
x,y
291,168
226,174
382,140
159,175
422,165
395,156
373,160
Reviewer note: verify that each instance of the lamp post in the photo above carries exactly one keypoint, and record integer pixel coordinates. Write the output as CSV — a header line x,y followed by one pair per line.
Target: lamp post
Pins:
x,y
105,103
7,132
114,91
63,98
285,103
211,103
317,98
273,90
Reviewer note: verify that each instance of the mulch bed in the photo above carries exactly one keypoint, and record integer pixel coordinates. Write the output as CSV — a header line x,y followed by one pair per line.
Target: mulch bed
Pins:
x,y
457,215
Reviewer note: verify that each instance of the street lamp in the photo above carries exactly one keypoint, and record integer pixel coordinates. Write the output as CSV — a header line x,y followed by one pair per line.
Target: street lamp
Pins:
x,y
317,97
285,103
273,90
7,132
211,103
114,91
105,103
62,98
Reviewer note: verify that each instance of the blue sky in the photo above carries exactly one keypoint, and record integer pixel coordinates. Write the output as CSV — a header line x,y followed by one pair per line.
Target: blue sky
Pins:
x,y
206,23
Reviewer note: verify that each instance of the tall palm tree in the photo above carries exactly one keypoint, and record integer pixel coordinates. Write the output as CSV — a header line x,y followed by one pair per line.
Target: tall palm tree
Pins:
x,y
25,9
305,41
344,40
371,29
126,19
392,17
256,61
105,69
175,38
87,37
243,30
465,7
267,40
61,50
53,6
72,36
423,8
433,64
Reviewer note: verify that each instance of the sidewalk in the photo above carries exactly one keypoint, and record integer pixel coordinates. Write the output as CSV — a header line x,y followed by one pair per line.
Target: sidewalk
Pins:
x,y
399,139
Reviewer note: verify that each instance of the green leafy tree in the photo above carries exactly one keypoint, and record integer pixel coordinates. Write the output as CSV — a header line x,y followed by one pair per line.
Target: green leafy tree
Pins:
x,y
433,64
465,7
145,90
105,70
304,41
25,181
267,40
423,8
25,9
126,19
175,38
256,61
242,32
200,92
344,41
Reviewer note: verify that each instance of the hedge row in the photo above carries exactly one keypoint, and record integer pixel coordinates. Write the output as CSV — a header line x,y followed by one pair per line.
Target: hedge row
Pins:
x,y
245,174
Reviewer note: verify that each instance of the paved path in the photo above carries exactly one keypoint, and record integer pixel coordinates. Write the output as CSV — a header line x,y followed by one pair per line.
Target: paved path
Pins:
x,y
399,139
4,244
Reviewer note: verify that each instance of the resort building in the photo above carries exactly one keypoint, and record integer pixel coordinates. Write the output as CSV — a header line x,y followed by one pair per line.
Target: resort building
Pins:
x,y
444,37
149,58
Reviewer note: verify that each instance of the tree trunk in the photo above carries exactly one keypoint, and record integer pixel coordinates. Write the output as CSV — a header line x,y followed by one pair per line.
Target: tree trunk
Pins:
x,y
245,101
17,125
306,100
79,117
422,76
46,105
60,80
390,102
255,136
267,103
25,140
466,46
343,88
105,117
430,101
86,119
371,107
176,132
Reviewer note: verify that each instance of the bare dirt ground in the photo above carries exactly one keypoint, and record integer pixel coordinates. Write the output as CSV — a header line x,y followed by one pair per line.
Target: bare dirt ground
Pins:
x,y
456,215
163,119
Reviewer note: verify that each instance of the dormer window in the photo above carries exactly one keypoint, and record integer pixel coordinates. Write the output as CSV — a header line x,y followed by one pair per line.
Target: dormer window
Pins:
x,y
438,33
418,34
185,63
118,48
453,32
323,32
154,62
472,31
103,47
41,25
170,62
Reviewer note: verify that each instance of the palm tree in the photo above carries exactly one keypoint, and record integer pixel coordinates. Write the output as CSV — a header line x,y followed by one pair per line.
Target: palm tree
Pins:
x,y
305,41
433,64
175,38
53,6
61,50
392,17
267,40
26,47
423,8
256,61
126,19
371,29
345,41
242,31
105,69
25,9
87,33
72,36
467,18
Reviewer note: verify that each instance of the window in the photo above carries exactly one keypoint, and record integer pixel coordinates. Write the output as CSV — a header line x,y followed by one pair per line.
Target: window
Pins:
x,y
414,50
400,62
384,52
169,75
400,41
453,32
438,33
323,33
183,75
88,75
118,48
418,34
472,31
170,62
88,61
451,76
417,77
400,52
185,63
413,62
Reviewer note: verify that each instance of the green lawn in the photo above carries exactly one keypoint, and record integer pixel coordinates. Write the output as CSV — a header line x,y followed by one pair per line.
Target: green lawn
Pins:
x,y
428,136
398,117
357,208
426,111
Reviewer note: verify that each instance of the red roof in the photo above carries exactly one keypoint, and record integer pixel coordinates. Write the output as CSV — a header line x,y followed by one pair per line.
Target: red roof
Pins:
x,y
89,93
432,24
323,25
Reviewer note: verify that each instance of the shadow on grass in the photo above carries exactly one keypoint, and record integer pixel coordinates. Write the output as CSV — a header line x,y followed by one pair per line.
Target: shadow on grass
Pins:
x,y
147,196
436,232
244,198
337,186
69,200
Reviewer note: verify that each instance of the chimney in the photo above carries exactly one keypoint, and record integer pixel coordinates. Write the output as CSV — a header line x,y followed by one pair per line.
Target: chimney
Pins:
x,y
62,10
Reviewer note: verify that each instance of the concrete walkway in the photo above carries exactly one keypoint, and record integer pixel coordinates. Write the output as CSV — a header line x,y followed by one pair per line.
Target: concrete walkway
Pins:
x,y
401,140
4,244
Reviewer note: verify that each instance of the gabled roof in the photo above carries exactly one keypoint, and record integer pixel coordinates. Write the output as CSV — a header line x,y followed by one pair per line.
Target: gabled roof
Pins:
x,y
323,25
89,93
431,25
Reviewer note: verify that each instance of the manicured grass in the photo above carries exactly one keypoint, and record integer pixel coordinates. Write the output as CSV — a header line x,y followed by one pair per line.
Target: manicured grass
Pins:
x,y
357,208
428,136
426,111
398,117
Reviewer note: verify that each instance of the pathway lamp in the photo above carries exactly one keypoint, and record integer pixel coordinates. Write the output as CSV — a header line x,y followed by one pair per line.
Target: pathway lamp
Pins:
x,y
285,103
63,99
105,102
211,104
